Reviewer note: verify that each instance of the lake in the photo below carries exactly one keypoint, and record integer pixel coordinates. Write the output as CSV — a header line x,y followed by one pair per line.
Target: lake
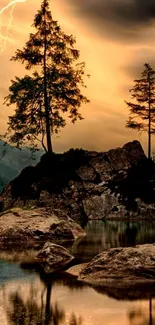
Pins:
x,y
29,298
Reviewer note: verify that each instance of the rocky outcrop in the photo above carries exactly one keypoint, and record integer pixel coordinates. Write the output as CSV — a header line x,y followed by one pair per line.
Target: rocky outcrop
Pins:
x,y
37,225
88,185
122,267
54,258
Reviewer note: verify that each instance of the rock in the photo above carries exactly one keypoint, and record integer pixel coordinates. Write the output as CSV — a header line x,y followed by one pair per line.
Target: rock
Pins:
x,y
54,258
106,205
122,267
37,225
144,209
95,208
118,159
102,167
85,184
76,269
87,173
134,151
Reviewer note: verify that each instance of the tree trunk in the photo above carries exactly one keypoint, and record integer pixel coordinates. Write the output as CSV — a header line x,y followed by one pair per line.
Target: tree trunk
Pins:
x,y
149,138
46,103
149,124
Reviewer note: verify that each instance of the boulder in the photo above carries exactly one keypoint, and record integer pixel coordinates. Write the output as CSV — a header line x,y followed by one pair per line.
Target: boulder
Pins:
x,y
35,225
122,267
54,258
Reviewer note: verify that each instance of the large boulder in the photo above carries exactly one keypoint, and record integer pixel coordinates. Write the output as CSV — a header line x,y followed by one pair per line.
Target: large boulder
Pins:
x,y
122,267
54,258
37,225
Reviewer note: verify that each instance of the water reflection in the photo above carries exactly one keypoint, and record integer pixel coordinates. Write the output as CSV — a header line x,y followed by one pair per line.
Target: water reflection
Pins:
x,y
139,317
75,320
42,300
37,308
29,313
102,235
65,301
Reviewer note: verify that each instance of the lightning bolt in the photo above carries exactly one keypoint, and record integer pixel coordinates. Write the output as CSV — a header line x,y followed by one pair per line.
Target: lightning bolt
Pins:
x,y
7,37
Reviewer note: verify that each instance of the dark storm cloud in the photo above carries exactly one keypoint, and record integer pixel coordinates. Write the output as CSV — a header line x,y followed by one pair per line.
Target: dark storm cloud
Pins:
x,y
119,18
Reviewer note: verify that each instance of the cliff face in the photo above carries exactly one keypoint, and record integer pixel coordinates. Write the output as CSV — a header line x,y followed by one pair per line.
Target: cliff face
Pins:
x,y
87,184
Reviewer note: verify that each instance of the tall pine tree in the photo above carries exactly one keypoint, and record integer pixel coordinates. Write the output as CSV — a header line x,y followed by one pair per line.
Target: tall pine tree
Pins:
x,y
52,92
142,110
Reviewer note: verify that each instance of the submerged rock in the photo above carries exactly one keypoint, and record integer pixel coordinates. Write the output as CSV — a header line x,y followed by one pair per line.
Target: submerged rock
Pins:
x,y
122,266
54,258
35,225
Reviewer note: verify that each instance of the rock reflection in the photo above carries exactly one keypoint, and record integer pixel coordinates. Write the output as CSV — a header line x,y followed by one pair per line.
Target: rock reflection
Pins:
x,y
102,235
143,291
37,308
138,315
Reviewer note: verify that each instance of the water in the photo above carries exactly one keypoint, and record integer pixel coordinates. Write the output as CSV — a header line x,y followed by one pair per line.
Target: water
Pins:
x,y
102,235
29,298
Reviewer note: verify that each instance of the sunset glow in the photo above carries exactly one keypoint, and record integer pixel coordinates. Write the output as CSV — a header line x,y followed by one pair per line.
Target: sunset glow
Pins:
x,y
114,48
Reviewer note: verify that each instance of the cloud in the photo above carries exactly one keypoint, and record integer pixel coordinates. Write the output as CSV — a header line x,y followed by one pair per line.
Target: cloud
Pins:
x,y
124,19
141,56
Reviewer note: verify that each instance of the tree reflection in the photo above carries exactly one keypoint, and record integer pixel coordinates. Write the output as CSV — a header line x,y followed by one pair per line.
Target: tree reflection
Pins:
x,y
29,312
40,311
139,317
102,235
75,320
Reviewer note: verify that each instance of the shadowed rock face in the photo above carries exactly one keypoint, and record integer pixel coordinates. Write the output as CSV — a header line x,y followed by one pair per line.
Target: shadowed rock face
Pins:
x,y
122,267
37,225
87,185
53,258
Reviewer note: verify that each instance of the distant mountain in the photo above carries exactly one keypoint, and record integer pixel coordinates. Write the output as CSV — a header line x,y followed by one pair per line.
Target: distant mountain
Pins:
x,y
13,160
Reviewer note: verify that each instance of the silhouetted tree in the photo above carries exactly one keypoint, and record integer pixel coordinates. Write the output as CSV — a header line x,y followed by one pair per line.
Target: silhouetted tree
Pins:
x,y
53,91
142,110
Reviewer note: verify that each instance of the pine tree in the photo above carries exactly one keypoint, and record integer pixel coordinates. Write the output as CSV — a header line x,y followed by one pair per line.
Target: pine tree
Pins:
x,y
142,110
52,92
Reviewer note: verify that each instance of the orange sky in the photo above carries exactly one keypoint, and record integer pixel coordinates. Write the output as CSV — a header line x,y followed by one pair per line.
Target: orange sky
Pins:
x,y
114,48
